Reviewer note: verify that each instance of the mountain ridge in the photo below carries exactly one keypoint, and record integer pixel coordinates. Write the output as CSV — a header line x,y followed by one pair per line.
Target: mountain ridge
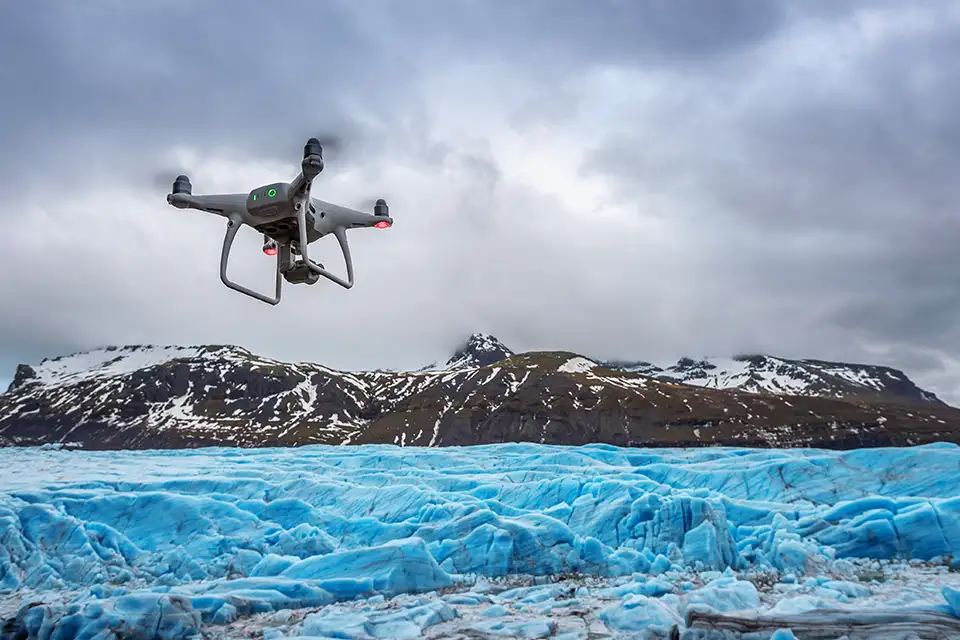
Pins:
x,y
150,396
830,378
483,350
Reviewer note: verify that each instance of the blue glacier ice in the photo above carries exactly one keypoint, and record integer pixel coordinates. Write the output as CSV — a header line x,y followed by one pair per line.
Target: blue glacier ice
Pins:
x,y
168,542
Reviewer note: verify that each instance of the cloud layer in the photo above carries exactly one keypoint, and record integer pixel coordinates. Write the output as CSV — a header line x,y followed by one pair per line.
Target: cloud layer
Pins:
x,y
624,179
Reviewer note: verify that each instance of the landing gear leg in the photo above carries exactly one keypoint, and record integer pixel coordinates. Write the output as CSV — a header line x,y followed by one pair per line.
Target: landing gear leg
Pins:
x,y
233,226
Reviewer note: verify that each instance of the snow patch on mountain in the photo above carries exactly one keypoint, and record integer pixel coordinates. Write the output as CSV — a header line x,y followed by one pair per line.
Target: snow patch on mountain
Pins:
x,y
117,361
758,373
577,365
641,367
737,373
111,361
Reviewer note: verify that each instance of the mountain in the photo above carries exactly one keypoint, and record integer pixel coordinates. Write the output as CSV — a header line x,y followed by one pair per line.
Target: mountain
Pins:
x,y
767,374
173,396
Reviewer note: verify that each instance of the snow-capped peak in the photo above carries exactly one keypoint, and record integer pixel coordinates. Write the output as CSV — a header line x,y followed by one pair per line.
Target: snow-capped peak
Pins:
x,y
479,350
758,373
108,361
113,361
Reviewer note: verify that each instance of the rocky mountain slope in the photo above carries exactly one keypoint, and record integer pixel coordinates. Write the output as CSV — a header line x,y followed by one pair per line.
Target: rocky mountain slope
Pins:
x,y
157,397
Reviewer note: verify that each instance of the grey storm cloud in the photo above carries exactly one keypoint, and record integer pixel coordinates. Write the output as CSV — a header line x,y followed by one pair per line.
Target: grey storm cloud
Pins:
x,y
849,190
156,73
625,178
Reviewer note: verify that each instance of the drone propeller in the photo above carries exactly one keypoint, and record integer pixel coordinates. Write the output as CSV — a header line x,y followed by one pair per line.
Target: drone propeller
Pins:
x,y
367,204
370,203
163,178
330,142
334,145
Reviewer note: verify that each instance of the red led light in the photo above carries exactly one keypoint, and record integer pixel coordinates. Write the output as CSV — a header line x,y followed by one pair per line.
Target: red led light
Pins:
x,y
270,251
383,224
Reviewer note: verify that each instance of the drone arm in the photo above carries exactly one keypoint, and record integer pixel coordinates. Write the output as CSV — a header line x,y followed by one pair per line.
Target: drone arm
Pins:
x,y
233,225
310,168
222,204
298,186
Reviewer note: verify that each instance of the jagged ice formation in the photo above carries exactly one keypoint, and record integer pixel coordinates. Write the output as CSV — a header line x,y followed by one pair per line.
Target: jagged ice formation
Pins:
x,y
178,541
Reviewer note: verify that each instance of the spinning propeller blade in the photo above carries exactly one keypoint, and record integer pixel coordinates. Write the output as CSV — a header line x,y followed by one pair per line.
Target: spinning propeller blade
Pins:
x,y
330,142
163,178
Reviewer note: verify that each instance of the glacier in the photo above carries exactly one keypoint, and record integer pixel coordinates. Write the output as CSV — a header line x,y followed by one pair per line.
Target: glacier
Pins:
x,y
510,540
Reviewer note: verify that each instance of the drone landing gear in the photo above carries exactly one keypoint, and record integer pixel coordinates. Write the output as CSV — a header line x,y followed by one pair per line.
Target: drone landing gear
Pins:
x,y
339,233
233,226
302,271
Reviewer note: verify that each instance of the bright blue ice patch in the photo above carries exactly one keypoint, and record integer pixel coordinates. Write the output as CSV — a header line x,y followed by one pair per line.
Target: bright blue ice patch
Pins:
x,y
176,540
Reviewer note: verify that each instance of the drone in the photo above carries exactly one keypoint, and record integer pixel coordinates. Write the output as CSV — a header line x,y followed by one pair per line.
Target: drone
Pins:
x,y
289,219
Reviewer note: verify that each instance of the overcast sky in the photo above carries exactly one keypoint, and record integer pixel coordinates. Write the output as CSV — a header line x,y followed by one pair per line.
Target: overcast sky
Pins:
x,y
638,179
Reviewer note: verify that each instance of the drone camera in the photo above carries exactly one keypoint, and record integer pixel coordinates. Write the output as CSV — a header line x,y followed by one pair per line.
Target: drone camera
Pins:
x,y
300,273
182,185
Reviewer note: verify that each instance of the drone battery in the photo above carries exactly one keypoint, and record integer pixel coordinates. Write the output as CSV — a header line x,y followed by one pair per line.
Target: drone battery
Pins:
x,y
269,201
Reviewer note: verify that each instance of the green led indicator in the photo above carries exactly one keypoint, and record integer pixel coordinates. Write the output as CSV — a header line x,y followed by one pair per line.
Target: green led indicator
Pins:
x,y
272,192
254,196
